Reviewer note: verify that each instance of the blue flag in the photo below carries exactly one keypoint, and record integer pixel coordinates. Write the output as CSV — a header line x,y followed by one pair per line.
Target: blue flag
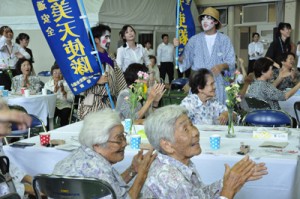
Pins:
x,y
186,24
68,40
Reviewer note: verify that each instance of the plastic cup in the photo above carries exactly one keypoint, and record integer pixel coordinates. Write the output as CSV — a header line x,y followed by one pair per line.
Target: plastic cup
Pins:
x,y
5,93
127,125
44,91
215,141
44,138
135,141
27,93
1,90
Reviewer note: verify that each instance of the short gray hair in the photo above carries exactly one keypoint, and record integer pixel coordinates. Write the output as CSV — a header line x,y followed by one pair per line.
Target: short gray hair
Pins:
x,y
161,124
97,126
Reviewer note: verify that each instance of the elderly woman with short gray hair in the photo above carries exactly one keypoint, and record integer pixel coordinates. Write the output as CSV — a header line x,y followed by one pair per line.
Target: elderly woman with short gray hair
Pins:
x,y
103,144
173,174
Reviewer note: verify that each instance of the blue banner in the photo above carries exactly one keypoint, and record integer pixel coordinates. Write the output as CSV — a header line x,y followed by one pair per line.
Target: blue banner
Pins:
x,y
186,25
68,40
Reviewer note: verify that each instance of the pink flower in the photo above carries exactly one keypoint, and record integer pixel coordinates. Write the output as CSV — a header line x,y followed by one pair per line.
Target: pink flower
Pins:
x,y
237,72
146,76
140,74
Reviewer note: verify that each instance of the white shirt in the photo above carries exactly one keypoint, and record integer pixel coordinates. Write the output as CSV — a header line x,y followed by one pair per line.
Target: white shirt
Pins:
x,y
61,101
256,48
165,53
210,41
7,56
127,56
150,51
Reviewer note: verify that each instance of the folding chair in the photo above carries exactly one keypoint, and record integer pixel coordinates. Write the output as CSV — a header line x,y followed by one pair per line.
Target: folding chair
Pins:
x,y
36,122
269,118
63,187
74,108
175,93
11,196
296,109
254,103
44,73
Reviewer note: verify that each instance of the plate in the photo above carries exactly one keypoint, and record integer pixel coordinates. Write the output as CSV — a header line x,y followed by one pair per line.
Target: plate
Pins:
x,y
67,147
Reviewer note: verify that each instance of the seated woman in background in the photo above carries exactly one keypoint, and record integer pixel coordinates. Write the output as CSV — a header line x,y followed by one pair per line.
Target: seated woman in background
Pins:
x,y
21,181
25,79
286,76
264,90
154,71
153,98
202,106
100,149
173,174
64,95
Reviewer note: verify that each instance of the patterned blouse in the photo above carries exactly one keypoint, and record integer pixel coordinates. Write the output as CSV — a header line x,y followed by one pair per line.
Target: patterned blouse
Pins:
x,y
123,107
200,113
287,82
84,162
266,91
34,83
169,179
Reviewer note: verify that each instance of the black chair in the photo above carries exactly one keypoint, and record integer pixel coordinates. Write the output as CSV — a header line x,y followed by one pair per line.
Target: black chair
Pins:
x,y
15,132
63,187
270,118
254,103
11,196
73,115
296,109
175,93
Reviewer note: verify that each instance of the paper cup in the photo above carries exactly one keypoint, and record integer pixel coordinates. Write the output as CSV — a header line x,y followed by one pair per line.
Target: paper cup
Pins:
x,y
127,125
44,91
44,138
23,90
215,141
135,141
5,93
27,93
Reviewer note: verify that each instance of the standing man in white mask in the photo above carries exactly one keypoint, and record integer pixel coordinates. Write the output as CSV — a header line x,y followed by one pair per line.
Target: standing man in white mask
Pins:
x,y
209,49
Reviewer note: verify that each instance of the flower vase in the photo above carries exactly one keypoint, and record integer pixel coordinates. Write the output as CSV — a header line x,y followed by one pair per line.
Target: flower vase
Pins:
x,y
230,133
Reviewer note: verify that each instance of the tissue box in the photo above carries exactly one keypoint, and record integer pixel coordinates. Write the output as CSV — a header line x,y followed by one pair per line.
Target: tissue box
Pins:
x,y
271,134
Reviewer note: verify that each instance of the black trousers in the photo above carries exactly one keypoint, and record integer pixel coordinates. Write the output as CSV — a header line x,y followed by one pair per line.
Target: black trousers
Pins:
x,y
64,115
166,68
250,66
187,73
5,79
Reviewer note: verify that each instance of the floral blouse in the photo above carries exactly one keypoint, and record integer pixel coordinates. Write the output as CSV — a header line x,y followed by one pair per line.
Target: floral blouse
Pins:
x,y
200,113
84,162
34,81
168,178
266,91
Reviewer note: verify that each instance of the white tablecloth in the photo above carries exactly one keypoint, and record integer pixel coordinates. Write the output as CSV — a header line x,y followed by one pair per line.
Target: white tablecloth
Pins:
x,y
282,182
42,106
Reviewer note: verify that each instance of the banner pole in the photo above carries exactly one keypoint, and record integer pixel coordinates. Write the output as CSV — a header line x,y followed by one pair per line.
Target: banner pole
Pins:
x,y
85,18
177,32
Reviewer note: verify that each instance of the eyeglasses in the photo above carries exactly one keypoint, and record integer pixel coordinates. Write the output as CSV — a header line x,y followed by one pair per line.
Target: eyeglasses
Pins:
x,y
119,139
56,73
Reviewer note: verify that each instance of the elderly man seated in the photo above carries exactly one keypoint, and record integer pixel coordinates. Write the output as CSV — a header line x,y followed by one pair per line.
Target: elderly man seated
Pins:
x,y
102,145
173,174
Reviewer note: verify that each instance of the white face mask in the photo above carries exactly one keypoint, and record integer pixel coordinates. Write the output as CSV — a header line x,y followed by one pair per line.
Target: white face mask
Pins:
x,y
105,40
207,23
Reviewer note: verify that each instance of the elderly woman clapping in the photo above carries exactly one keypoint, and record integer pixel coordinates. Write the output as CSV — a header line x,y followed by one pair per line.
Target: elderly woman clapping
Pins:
x,y
173,174
25,79
102,145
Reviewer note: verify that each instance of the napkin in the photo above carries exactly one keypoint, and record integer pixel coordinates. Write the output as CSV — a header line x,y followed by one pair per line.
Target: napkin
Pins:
x,y
274,144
